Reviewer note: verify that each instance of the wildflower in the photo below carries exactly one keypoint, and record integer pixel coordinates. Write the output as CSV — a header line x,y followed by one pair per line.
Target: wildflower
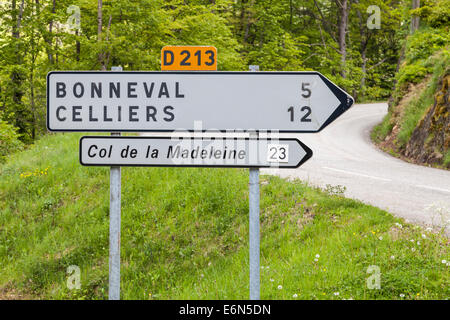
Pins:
x,y
444,261
316,260
317,255
424,236
202,275
402,295
412,240
381,238
280,287
418,243
271,280
413,249
392,257
336,293
294,295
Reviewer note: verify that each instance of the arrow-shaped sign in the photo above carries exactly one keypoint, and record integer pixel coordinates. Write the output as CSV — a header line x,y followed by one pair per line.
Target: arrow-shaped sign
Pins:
x,y
192,152
206,101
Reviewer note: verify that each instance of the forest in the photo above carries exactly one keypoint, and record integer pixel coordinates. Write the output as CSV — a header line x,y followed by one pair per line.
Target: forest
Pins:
x,y
184,231
358,44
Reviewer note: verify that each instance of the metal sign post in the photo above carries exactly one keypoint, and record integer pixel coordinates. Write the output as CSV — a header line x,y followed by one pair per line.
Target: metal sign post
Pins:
x,y
254,239
114,226
114,231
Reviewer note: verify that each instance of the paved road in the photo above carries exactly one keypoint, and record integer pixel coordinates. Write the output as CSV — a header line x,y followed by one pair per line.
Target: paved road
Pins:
x,y
344,155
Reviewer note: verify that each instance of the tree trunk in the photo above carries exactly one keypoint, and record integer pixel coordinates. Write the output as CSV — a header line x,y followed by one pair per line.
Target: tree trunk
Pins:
x,y
16,78
34,54
49,37
99,20
99,34
364,40
343,26
78,46
364,71
415,20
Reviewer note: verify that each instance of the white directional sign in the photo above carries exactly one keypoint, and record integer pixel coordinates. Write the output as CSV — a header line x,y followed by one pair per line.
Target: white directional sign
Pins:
x,y
207,101
192,152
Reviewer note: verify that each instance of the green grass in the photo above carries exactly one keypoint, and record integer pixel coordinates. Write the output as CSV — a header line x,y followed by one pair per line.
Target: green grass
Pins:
x,y
426,54
447,159
185,235
415,110
383,129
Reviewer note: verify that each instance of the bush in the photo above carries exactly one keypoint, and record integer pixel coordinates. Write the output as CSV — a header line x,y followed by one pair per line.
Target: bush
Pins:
x,y
412,73
447,159
435,12
424,42
9,140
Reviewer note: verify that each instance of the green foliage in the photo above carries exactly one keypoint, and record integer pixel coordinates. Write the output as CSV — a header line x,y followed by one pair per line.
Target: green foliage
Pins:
x,y
9,140
420,58
435,12
283,54
426,52
424,42
412,73
383,129
446,161
416,108
335,190
276,35
185,235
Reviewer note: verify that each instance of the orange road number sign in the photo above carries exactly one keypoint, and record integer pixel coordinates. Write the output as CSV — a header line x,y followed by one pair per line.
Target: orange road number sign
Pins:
x,y
193,58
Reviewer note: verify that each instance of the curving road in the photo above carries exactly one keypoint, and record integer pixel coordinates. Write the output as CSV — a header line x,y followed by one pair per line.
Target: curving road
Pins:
x,y
344,155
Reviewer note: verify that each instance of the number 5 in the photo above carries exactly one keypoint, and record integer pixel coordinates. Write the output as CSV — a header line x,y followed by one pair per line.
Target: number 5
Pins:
x,y
305,89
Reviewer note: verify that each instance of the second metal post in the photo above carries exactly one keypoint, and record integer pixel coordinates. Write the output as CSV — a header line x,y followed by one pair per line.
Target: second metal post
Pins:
x,y
114,231
254,234
115,187
253,200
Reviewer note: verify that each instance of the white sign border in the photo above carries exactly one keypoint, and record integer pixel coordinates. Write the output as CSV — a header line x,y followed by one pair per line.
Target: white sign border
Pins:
x,y
309,152
346,101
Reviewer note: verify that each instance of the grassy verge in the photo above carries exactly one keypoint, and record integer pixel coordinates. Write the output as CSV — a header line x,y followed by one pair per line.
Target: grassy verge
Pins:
x,y
185,231
416,107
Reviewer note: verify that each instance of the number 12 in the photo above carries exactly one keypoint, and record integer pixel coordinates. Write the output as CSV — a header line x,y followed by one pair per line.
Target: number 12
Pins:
x,y
305,117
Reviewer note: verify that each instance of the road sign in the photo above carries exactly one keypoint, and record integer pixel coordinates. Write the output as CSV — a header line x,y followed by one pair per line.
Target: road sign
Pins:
x,y
200,101
192,152
189,58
